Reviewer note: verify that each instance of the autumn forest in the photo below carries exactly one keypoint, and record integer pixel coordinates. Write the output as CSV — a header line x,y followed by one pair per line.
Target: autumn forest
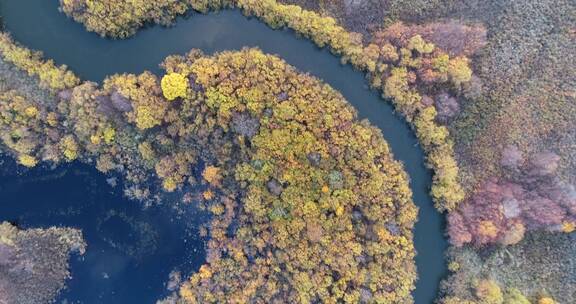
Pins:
x,y
307,203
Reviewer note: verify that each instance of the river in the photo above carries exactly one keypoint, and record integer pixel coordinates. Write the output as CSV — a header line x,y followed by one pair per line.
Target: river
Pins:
x,y
39,25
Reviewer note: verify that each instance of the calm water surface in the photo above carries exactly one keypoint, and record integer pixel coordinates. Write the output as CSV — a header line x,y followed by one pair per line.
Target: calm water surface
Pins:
x,y
130,251
38,25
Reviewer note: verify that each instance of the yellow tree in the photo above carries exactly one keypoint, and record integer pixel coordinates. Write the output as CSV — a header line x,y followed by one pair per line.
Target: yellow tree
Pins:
x,y
489,292
174,85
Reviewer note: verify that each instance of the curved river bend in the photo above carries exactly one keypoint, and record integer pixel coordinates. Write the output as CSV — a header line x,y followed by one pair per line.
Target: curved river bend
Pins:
x,y
38,25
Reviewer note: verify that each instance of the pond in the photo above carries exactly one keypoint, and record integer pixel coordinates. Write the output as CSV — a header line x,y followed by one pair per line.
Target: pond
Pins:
x,y
129,249
39,25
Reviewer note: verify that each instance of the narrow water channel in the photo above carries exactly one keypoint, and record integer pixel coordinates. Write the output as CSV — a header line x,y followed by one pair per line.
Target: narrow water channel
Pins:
x,y
39,25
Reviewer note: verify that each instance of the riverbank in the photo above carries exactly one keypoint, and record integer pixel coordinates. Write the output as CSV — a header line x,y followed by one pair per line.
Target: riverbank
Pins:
x,y
229,30
483,123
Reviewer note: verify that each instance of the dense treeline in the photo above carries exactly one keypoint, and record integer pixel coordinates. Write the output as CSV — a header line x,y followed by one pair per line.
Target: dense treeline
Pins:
x,y
399,62
327,212
51,77
308,204
121,19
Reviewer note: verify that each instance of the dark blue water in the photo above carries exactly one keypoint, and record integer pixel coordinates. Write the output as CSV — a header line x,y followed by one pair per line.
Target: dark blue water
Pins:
x,y
130,251
38,25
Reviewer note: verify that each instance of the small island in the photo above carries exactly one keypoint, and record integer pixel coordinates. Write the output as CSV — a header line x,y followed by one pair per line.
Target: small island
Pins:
x,y
34,262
